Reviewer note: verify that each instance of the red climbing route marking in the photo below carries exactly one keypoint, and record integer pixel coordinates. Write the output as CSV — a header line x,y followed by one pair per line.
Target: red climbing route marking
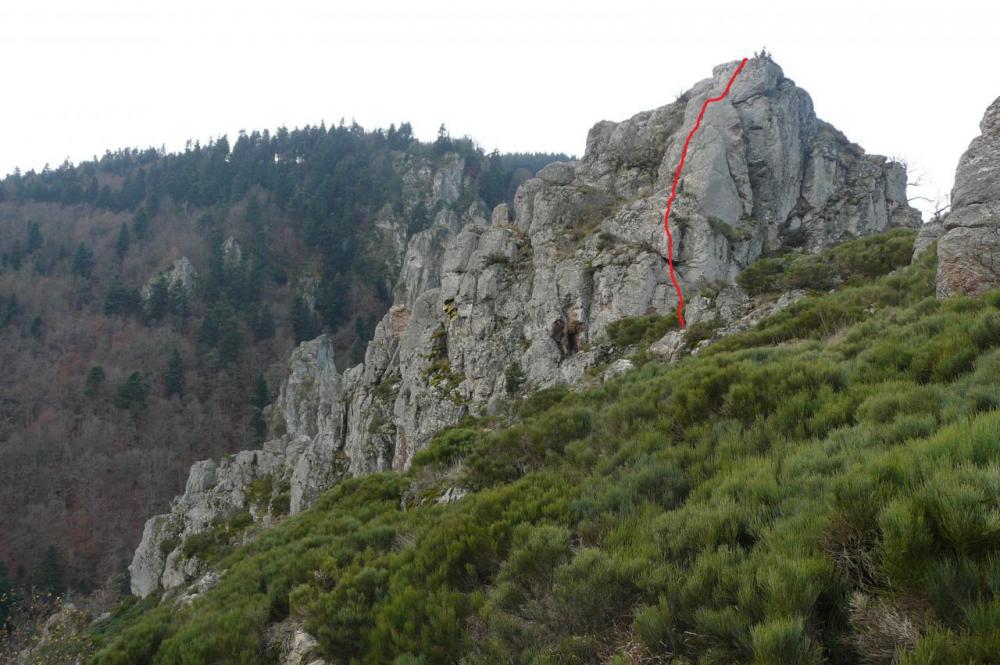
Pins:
x,y
673,190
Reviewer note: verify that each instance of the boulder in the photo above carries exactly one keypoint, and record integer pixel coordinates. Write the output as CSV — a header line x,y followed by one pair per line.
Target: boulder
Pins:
x,y
969,249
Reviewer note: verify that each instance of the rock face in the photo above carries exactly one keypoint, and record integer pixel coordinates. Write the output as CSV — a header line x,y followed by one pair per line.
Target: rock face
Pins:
x,y
528,291
306,422
969,250
928,234
534,287
181,274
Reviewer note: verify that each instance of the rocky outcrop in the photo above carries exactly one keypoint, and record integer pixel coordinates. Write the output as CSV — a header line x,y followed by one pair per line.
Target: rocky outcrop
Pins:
x,y
148,560
180,275
927,236
535,286
969,250
301,459
529,290
64,625
307,446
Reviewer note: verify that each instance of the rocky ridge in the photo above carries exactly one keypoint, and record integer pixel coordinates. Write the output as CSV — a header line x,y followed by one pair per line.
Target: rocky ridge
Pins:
x,y
527,291
969,249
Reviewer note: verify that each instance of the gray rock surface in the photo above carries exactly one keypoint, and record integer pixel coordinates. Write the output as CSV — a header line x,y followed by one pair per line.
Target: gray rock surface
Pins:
x,y
617,368
969,250
181,273
530,289
928,234
302,650
305,424
148,561
670,347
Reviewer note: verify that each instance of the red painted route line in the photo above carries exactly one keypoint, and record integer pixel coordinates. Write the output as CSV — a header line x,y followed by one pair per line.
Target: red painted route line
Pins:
x,y
673,190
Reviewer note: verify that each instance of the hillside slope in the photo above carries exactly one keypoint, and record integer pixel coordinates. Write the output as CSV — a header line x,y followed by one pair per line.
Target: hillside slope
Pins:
x,y
533,464
786,496
527,296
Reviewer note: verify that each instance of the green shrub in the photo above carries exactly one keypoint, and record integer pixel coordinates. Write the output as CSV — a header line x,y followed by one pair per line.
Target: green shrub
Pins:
x,y
216,541
168,545
874,255
851,261
594,590
762,276
656,628
986,331
542,400
943,359
700,331
282,500
785,641
808,272
513,377
259,492
890,400
446,449
726,230
636,329
206,545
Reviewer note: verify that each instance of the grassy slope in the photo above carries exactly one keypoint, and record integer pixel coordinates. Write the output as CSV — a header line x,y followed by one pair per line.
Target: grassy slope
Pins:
x,y
831,499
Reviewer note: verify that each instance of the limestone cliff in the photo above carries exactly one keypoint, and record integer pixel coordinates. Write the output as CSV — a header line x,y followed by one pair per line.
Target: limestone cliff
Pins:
x,y
969,250
529,290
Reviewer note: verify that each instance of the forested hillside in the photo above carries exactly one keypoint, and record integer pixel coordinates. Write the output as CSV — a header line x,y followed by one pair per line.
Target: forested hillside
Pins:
x,y
149,300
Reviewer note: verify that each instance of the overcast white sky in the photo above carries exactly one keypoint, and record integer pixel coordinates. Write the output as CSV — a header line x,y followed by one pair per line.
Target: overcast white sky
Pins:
x,y
905,79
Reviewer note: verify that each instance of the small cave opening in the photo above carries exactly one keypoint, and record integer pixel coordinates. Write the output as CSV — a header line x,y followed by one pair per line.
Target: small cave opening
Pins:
x,y
567,335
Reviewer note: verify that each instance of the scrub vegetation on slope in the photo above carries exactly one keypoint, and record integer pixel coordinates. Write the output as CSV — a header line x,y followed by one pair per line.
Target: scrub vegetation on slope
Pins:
x,y
822,489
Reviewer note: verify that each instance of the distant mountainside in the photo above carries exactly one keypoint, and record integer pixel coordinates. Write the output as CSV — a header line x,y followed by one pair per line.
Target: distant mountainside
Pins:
x,y
149,302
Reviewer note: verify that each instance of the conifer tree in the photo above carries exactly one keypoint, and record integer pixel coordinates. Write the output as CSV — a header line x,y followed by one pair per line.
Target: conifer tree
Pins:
x,y
140,224
211,326
303,322
124,240
179,302
83,262
9,311
121,300
260,396
158,302
132,394
263,327
173,378
330,300
230,343
51,577
6,595
95,378
34,238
